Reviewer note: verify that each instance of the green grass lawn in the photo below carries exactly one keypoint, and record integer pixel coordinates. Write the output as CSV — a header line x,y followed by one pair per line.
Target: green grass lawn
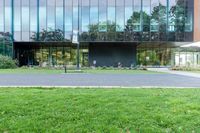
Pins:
x,y
59,71
99,110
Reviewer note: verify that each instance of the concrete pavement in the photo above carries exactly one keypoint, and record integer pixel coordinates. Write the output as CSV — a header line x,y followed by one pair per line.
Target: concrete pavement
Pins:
x,y
183,73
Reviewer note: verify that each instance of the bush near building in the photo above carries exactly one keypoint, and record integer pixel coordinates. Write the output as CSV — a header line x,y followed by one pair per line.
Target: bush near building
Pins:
x,y
185,68
7,62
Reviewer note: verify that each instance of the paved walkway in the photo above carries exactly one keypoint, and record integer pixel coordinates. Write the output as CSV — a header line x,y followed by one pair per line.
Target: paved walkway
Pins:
x,y
99,80
166,70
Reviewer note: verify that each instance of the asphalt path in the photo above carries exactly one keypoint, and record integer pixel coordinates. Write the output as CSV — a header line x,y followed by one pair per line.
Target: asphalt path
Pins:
x,y
99,80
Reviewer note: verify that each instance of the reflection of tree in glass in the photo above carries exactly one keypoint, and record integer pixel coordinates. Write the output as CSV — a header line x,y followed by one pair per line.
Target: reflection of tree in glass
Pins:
x,y
99,31
6,44
49,36
178,13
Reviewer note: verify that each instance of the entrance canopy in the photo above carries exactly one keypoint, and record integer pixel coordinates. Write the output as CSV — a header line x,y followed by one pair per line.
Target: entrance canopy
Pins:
x,y
195,44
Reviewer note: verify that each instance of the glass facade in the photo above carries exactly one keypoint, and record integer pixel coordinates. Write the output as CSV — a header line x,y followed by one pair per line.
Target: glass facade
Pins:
x,y
100,20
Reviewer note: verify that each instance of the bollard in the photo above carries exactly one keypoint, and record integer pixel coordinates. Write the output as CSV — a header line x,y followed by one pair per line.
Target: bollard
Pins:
x,y
65,69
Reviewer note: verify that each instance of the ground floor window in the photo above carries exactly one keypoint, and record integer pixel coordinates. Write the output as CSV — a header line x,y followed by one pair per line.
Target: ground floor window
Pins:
x,y
189,57
6,45
154,56
58,55
53,56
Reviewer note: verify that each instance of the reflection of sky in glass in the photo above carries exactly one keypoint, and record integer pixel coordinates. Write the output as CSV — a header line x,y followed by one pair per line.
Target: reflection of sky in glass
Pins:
x,y
7,14
8,19
128,13
147,6
25,18
111,14
59,18
85,18
51,17
33,18
172,3
128,2
42,17
102,14
119,18
68,19
1,16
17,19
137,3
93,15
75,18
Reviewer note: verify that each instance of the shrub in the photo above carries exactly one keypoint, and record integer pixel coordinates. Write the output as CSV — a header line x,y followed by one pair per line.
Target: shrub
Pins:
x,y
185,68
7,62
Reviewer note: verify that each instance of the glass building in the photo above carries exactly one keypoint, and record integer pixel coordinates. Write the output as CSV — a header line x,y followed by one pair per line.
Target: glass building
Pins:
x,y
110,31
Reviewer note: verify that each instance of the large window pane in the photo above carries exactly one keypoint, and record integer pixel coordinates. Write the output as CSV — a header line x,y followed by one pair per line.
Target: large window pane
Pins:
x,y
94,2
8,17
75,18
85,2
33,17
154,22
171,20
119,2
51,14
120,18
119,22
128,3
163,20
128,23
17,20
59,15
68,18
1,15
111,14
137,16
85,18
69,3
93,28
85,22
189,20
42,15
102,19
188,16
111,23
111,2
171,15
146,20
180,20
25,20
94,15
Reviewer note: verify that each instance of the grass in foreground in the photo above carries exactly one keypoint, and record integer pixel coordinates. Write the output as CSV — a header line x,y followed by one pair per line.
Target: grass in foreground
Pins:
x,y
99,110
59,71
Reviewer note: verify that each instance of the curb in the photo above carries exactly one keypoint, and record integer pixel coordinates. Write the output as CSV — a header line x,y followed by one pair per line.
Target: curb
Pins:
x,y
101,87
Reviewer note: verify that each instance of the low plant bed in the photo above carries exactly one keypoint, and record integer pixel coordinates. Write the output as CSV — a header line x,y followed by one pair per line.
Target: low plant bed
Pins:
x,y
190,69
39,70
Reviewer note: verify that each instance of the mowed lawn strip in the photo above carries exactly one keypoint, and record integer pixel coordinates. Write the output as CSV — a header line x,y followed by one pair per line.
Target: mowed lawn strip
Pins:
x,y
60,71
99,110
